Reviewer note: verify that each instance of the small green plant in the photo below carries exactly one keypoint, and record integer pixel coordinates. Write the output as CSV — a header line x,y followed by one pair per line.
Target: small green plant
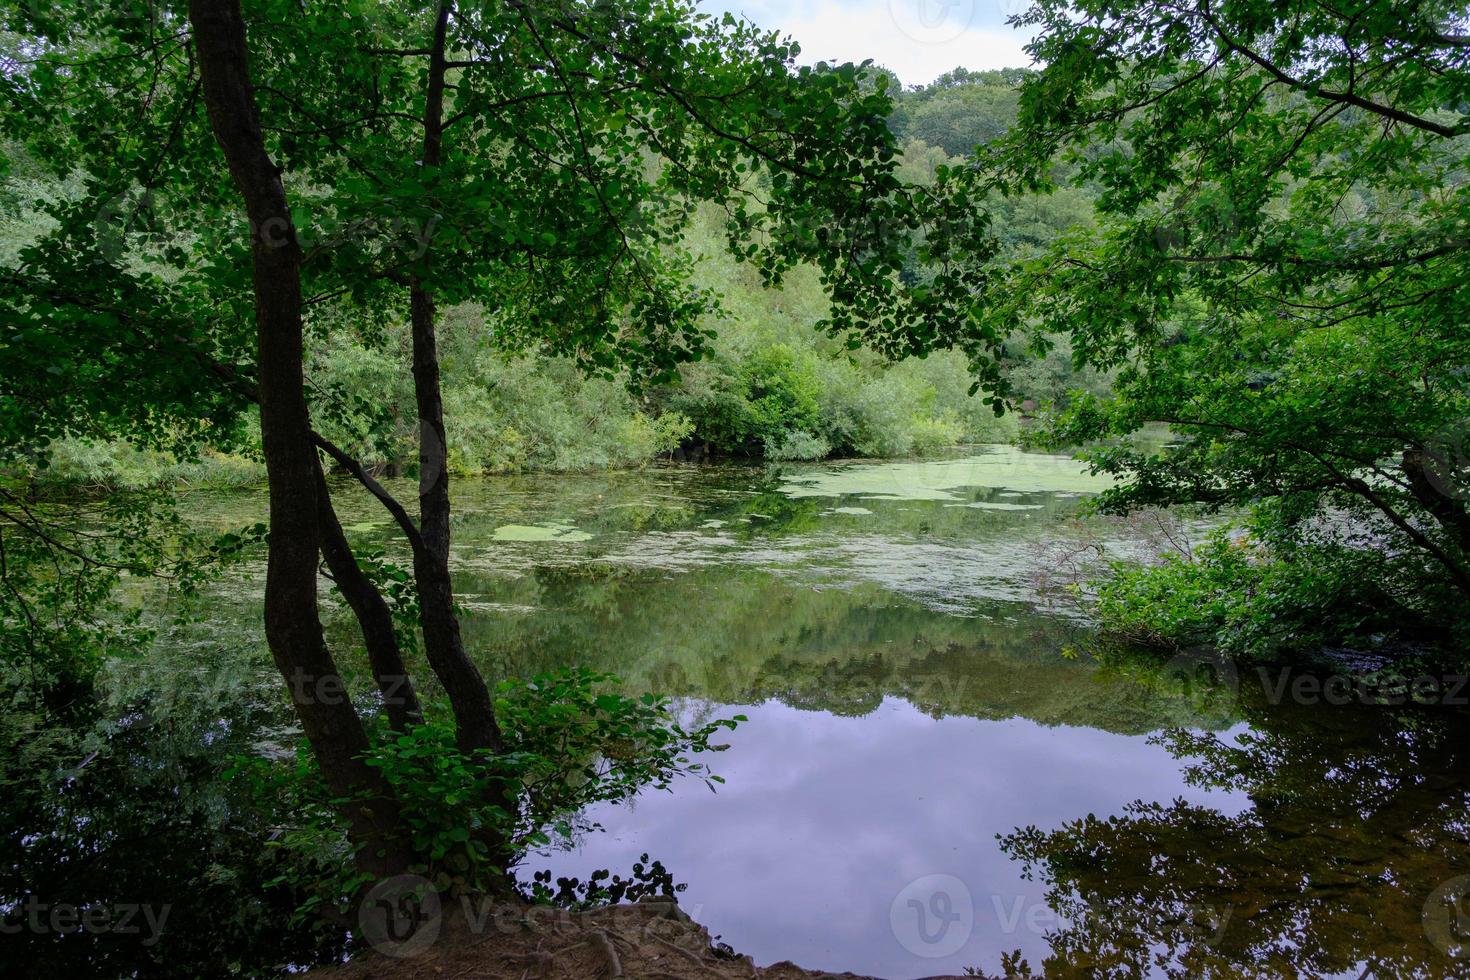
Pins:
x,y
571,741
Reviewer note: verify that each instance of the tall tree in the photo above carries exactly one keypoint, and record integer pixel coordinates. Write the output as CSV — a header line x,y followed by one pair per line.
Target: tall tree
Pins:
x,y
544,160
473,711
292,627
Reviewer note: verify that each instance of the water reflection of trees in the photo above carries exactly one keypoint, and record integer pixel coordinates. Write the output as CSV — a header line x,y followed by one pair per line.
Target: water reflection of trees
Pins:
x,y
1357,815
129,811
743,636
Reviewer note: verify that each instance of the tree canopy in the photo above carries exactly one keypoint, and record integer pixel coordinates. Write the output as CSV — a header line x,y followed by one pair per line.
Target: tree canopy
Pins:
x,y
1276,273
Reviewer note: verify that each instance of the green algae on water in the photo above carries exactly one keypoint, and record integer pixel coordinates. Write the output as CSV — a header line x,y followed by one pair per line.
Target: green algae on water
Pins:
x,y
995,467
540,532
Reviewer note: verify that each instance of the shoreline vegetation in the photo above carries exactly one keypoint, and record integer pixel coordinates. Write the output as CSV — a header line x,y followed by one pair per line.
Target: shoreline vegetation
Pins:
x,y
1219,252
772,383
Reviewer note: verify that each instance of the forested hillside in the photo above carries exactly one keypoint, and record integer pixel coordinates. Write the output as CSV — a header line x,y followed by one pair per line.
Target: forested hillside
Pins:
x,y
774,385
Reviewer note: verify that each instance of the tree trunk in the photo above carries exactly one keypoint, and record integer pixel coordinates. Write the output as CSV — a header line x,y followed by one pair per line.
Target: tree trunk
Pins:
x,y
292,627
474,711
1449,511
400,701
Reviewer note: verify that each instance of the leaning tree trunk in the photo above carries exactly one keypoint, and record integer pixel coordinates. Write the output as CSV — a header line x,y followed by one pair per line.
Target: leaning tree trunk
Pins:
x,y
474,712
363,597
293,629
385,654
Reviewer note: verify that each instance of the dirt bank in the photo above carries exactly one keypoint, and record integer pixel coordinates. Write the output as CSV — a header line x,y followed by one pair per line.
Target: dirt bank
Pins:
x,y
517,942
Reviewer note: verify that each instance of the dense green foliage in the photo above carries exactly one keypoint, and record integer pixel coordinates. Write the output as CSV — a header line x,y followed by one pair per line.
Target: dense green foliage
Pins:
x,y
514,410
961,110
572,741
510,412
1277,273
629,230
772,381
1258,592
142,312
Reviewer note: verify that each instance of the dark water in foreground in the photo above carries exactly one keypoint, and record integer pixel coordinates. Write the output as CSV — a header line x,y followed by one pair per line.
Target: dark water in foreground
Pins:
x,y
930,776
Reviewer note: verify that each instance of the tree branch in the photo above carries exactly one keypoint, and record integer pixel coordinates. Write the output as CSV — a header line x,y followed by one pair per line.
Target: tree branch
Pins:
x,y
1350,98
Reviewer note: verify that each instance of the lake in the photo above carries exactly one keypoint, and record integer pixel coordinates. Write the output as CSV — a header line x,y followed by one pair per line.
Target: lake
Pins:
x,y
935,770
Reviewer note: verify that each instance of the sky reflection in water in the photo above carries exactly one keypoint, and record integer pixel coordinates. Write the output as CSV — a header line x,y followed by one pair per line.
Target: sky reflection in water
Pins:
x,y
825,819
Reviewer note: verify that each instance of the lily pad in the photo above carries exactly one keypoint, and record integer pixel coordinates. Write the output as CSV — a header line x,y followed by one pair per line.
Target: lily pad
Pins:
x,y
540,532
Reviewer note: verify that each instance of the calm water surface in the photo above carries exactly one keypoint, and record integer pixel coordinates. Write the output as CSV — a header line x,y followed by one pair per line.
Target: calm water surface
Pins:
x,y
930,776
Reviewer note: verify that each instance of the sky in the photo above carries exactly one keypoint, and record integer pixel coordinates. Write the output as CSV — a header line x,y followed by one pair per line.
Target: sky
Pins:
x,y
918,40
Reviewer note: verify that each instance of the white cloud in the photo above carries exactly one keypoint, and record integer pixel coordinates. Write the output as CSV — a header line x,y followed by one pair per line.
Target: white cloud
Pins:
x,y
918,40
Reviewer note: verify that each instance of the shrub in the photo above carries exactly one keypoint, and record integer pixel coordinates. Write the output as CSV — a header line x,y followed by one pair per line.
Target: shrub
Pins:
x,y
749,407
933,434
798,445
118,465
712,395
642,437
782,390
1268,591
